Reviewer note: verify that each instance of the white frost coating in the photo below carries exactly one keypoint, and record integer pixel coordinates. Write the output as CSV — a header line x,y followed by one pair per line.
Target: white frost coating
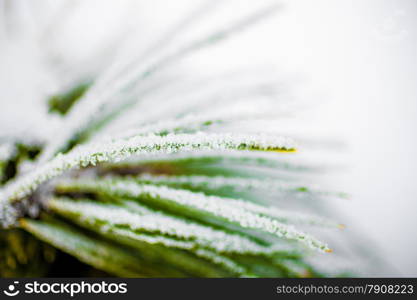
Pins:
x,y
221,260
81,117
245,214
242,184
232,157
237,184
227,102
172,243
92,154
194,235
192,122
225,92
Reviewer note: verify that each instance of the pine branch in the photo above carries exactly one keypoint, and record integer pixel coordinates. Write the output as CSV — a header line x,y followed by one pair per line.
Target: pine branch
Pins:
x,y
146,176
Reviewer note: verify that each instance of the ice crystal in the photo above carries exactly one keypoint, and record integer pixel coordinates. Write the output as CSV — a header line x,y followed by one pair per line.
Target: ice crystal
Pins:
x,y
139,169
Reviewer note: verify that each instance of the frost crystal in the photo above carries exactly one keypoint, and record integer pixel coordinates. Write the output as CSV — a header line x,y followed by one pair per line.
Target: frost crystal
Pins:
x,y
140,168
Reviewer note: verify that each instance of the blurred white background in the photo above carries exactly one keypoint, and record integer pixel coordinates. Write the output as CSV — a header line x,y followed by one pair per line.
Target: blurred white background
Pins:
x,y
356,60
363,55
